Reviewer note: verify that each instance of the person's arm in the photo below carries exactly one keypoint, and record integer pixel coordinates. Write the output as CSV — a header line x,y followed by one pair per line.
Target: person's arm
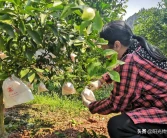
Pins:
x,y
123,92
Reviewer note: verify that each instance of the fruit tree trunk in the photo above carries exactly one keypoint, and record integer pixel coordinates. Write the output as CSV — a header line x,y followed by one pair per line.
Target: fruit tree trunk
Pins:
x,y
2,127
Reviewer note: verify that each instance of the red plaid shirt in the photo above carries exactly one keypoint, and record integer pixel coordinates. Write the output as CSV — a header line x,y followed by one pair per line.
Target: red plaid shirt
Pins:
x,y
141,92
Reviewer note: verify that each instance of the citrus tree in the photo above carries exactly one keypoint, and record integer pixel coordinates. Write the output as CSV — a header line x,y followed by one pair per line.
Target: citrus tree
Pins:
x,y
152,24
67,34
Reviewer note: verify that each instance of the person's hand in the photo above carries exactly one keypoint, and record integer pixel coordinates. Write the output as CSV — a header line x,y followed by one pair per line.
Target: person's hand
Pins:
x,y
87,97
95,85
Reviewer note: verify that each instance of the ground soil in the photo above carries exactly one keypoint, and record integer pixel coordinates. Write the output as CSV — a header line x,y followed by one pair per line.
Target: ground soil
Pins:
x,y
34,122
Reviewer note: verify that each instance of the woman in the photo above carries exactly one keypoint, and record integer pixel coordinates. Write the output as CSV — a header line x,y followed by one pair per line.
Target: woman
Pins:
x,y
141,94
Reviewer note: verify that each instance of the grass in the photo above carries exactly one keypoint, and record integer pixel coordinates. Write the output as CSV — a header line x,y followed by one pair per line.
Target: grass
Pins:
x,y
104,92
54,102
56,113
71,102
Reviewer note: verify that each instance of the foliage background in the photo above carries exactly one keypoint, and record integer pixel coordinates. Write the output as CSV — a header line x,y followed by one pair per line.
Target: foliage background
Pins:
x,y
152,24
57,27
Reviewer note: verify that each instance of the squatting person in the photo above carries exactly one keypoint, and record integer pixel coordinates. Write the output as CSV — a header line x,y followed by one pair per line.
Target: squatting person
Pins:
x,y
141,94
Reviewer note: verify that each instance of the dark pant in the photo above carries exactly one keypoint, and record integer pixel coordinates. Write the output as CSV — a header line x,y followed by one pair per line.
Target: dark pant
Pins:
x,y
122,126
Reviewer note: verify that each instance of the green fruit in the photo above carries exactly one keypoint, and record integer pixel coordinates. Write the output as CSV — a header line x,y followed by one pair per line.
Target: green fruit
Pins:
x,y
88,14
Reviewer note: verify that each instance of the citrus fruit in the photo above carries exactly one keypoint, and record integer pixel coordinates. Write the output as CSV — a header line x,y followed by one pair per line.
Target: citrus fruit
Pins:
x,y
88,14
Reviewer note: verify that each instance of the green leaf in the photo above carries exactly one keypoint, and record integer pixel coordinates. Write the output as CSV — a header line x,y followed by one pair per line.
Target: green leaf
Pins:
x,y
43,17
84,24
5,16
28,3
54,29
120,62
79,7
22,26
39,70
57,3
114,76
112,62
29,54
67,10
89,29
55,8
8,11
3,76
93,68
24,72
37,1
2,44
17,2
31,10
9,44
12,1
91,60
97,22
78,12
80,2
35,36
9,22
8,29
108,52
31,77
90,43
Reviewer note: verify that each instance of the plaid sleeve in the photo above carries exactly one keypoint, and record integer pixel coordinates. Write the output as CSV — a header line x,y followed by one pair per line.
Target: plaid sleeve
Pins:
x,y
123,92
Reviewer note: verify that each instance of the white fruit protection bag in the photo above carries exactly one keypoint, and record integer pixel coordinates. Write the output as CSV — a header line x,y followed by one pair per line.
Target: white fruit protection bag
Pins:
x,y
15,92
88,94
42,87
68,88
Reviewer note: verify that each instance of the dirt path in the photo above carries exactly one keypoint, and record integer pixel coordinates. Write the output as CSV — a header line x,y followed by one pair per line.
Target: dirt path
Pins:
x,y
34,122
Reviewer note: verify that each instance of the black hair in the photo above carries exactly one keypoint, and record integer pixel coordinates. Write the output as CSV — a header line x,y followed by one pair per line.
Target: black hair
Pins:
x,y
119,30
